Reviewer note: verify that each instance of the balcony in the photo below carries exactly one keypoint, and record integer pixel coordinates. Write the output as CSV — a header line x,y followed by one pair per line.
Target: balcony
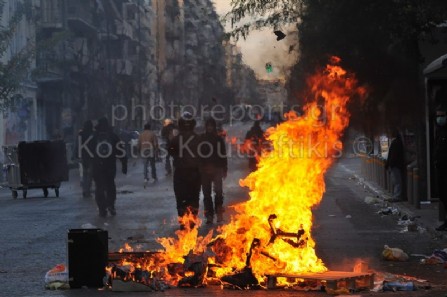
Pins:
x,y
47,68
80,16
123,28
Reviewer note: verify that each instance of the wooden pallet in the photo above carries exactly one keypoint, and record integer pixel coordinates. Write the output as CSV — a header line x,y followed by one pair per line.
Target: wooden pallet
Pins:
x,y
331,279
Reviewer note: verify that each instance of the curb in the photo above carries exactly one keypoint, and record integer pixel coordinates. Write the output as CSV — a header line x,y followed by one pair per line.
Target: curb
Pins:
x,y
381,194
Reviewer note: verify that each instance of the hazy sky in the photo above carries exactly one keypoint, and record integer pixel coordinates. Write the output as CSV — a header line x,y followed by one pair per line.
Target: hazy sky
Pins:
x,y
261,47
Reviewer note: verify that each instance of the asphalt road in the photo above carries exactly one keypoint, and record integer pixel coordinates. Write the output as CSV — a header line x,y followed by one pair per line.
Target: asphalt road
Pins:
x,y
33,233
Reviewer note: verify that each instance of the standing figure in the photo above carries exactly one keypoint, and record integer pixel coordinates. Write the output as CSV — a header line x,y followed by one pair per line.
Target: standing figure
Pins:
x,y
183,148
107,148
213,169
168,132
396,164
84,153
125,136
255,139
148,148
440,160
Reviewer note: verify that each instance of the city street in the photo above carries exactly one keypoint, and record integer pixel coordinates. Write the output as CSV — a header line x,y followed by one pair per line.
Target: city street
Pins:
x,y
332,115
34,231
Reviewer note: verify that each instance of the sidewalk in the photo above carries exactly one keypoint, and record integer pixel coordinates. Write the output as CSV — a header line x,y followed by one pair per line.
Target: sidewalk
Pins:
x,y
426,216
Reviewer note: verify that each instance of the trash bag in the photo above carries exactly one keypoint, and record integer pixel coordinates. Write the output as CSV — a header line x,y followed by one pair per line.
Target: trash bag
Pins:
x,y
394,254
57,278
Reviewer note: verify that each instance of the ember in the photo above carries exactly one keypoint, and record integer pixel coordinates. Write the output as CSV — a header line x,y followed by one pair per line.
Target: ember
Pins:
x,y
289,181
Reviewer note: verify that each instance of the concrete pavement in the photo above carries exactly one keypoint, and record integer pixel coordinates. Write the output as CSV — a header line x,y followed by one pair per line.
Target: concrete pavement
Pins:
x,y
34,231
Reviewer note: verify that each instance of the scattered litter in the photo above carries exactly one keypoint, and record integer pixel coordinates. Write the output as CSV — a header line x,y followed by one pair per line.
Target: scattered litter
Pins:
x,y
348,216
57,278
331,215
389,211
425,202
394,254
372,200
398,286
3,271
437,257
88,226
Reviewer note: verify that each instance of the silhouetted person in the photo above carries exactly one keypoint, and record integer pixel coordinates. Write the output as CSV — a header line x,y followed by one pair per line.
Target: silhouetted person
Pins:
x,y
148,148
440,160
183,149
107,150
85,153
213,169
125,136
255,139
168,132
395,162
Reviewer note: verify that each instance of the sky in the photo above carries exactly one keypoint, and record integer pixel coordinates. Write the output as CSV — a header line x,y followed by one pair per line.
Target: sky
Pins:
x,y
261,47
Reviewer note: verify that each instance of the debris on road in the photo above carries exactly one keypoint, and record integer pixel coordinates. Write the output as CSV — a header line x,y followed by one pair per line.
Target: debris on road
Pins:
x,y
57,278
394,254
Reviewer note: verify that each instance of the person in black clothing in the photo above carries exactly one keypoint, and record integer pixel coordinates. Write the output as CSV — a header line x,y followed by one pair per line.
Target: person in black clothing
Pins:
x,y
255,138
396,164
84,149
183,148
107,148
440,160
213,169
168,132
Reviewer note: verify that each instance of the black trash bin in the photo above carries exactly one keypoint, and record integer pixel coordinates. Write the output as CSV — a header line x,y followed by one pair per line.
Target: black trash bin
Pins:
x,y
87,257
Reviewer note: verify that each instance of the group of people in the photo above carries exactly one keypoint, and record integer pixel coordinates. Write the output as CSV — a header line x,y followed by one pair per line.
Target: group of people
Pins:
x,y
199,163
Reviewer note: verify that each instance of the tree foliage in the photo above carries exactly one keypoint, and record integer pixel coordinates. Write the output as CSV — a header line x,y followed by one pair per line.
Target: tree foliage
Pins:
x,y
247,15
376,39
14,67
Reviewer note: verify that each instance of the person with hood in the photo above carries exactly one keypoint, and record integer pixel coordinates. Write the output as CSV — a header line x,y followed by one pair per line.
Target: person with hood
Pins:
x,y
213,169
255,140
107,149
395,162
183,149
168,132
84,151
440,160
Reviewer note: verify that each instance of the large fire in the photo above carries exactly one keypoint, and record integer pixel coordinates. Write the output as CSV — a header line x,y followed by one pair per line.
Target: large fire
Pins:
x,y
287,185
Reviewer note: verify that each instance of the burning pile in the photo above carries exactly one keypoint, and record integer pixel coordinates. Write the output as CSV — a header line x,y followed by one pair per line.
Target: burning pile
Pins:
x,y
271,233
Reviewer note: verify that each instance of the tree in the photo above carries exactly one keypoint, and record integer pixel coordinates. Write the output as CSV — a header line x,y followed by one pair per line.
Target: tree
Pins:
x,y
377,39
13,68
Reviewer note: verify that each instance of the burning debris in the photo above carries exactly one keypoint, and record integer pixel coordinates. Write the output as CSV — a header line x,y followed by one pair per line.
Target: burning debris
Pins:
x,y
289,181
279,233
245,279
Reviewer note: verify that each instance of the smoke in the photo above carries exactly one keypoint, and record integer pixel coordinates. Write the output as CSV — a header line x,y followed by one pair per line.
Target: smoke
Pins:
x,y
261,47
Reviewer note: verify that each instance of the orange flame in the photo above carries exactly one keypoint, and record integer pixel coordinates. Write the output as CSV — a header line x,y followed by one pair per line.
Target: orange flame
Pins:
x,y
187,240
289,180
287,185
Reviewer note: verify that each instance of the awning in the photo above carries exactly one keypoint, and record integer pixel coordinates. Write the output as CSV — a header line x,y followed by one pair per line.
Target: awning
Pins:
x,y
437,68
